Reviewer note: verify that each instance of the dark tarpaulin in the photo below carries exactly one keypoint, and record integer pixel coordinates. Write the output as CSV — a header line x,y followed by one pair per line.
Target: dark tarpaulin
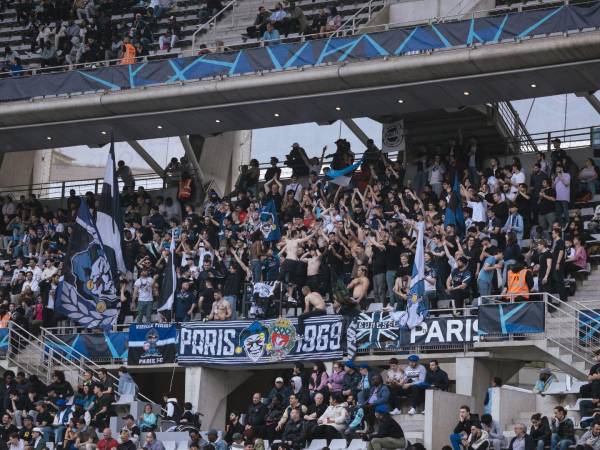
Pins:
x,y
281,56
509,318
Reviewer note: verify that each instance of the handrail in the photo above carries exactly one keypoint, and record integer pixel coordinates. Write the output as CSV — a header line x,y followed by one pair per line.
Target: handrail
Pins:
x,y
192,51
91,364
214,19
353,18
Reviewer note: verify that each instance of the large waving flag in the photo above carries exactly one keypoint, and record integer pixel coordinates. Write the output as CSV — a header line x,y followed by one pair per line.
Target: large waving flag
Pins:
x,y
416,310
342,176
108,218
454,214
269,222
87,293
169,282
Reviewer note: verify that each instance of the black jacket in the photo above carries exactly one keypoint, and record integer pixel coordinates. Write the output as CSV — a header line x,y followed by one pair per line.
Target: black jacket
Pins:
x,y
542,433
463,427
256,415
351,382
438,379
294,432
388,427
529,443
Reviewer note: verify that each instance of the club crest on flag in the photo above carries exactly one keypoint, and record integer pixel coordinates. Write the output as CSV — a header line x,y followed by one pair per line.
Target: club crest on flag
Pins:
x,y
282,338
150,345
253,341
93,278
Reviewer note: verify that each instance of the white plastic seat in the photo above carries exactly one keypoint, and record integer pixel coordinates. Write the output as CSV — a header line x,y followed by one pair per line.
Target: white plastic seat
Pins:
x,y
338,444
318,444
356,444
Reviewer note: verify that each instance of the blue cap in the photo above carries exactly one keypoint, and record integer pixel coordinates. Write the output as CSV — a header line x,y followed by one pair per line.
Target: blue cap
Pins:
x,y
413,358
363,366
382,409
61,402
350,364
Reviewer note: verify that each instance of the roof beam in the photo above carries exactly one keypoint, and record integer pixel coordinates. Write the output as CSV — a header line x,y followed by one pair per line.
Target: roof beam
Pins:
x,y
146,157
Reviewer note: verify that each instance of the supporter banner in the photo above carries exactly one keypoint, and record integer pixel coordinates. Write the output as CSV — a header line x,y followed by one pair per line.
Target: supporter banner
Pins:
x,y
392,137
95,346
3,342
481,30
382,330
87,293
525,317
589,326
259,342
153,343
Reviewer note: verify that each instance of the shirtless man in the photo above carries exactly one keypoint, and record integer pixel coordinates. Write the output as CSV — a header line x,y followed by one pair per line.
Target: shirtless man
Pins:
x,y
313,262
311,300
290,246
221,308
359,285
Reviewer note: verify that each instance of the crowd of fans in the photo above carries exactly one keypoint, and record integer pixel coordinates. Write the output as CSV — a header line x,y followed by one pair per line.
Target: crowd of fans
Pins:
x,y
487,231
62,32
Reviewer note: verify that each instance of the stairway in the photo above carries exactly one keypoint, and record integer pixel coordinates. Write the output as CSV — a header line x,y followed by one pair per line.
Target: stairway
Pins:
x,y
413,426
28,353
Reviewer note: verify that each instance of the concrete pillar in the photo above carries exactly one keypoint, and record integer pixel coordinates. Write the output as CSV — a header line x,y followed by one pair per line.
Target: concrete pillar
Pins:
x,y
474,375
207,390
356,130
441,415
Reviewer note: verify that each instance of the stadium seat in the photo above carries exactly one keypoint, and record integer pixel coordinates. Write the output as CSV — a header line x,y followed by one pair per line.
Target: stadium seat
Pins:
x,y
338,444
318,444
356,444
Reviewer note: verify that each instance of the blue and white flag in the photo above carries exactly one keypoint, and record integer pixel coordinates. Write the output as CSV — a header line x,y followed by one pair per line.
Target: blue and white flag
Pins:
x,y
152,343
416,310
108,218
342,177
87,293
269,222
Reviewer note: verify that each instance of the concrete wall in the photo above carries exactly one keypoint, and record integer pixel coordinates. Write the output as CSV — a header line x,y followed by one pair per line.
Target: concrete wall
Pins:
x,y
222,155
413,10
207,390
441,416
508,401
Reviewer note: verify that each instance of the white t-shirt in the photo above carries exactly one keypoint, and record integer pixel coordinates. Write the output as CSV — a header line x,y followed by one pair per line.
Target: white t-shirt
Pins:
x,y
144,286
518,178
479,211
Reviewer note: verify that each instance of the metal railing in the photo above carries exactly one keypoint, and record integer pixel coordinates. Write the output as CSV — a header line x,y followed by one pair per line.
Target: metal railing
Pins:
x,y
521,141
240,44
33,356
574,329
354,18
214,20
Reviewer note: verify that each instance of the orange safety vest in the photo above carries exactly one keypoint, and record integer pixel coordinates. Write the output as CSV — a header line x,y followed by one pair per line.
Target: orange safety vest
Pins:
x,y
517,283
185,189
129,55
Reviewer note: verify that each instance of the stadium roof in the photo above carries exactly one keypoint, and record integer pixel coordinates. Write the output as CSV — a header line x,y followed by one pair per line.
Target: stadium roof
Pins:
x,y
385,87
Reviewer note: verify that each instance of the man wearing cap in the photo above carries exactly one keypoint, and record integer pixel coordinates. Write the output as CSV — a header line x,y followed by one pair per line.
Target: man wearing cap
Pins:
x,y
213,439
458,283
43,419
351,379
281,389
107,442
61,420
37,440
238,442
413,386
26,431
389,433
364,383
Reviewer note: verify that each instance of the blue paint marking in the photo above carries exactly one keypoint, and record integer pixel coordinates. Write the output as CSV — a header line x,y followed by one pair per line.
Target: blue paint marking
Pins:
x,y
405,42
100,80
441,36
539,22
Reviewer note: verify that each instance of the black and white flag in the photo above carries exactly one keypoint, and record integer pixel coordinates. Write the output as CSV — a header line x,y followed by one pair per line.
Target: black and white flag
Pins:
x,y
109,221
169,282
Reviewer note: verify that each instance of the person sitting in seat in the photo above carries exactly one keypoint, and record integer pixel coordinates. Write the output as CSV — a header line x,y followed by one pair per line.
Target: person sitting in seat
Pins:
x,y
148,420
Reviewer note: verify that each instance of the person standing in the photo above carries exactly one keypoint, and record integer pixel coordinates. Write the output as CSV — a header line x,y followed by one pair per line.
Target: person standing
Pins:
x,y
143,294
562,186
185,303
558,264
